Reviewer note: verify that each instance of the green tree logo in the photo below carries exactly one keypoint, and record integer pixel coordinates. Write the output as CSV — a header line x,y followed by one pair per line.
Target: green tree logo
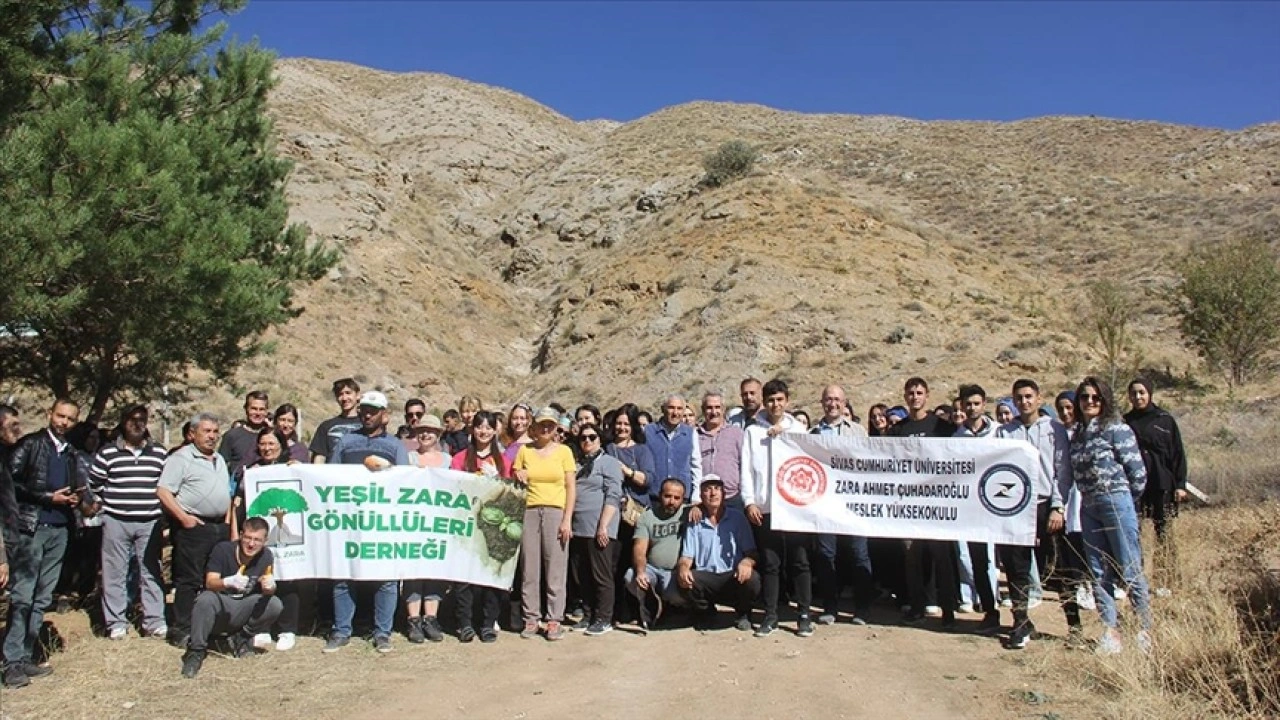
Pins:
x,y
278,502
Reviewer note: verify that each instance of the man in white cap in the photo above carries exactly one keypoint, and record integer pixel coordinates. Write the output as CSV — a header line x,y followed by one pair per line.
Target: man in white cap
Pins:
x,y
372,447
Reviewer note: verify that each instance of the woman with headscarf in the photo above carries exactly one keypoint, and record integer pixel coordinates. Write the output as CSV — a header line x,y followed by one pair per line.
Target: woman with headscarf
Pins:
x,y
1162,452
1107,469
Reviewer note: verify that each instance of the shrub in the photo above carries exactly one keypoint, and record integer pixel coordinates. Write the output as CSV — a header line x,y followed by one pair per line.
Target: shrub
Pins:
x,y
1110,312
1229,306
732,160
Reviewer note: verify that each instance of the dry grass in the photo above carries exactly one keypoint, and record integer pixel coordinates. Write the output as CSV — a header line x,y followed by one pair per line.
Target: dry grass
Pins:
x,y
1217,649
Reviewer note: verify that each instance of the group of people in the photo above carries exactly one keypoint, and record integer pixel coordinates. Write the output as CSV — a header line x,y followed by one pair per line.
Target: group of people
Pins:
x,y
628,518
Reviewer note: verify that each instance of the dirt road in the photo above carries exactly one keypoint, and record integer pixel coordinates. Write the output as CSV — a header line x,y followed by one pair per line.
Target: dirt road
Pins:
x,y
877,671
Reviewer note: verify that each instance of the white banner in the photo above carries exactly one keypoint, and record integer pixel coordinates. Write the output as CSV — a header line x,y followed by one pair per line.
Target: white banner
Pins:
x,y
923,488
347,523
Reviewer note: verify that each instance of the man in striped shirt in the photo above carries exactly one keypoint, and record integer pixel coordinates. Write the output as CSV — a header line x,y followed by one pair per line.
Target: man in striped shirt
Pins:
x,y
124,477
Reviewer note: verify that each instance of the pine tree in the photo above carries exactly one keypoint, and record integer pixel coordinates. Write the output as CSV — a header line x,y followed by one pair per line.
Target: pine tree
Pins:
x,y
145,230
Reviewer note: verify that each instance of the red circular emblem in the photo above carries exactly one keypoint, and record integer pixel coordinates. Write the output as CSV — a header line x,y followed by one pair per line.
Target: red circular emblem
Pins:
x,y
801,480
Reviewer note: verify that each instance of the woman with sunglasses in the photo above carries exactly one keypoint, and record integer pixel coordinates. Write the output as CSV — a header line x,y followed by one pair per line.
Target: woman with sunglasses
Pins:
x,y
482,456
547,469
1108,471
286,421
593,552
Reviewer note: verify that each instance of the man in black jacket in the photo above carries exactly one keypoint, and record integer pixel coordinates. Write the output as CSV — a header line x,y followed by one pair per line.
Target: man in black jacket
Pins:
x,y
49,479
10,431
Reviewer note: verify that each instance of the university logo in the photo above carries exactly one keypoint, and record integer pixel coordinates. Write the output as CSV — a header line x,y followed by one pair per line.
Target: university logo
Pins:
x,y
1004,490
801,480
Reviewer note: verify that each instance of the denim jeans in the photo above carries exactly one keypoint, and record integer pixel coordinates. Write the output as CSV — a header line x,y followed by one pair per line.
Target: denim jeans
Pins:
x,y
1110,524
384,608
35,564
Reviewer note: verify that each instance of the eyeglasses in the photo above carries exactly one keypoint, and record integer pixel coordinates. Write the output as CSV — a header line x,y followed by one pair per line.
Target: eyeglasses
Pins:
x,y
1089,398
588,438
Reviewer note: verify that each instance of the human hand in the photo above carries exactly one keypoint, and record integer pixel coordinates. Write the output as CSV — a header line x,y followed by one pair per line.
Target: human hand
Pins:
x,y
695,514
268,583
755,516
602,537
744,570
64,496
1179,495
522,477
564,534
4,575
642,579
236,582
1056,522
684,576
775,430
189,521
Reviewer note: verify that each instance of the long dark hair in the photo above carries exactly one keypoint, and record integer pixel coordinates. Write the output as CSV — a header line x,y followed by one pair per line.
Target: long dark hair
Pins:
x,y
633,416
288,409
471,463
872,430
1109,415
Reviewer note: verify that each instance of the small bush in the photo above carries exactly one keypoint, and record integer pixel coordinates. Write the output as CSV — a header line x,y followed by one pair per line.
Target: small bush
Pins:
x,y
732,160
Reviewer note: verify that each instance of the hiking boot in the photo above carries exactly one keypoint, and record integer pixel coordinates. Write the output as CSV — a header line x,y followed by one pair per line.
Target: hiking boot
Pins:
x,y
336,643
466,634
599,627
415,633
744,623
948,620
431,628
582,624
530,630
766,628
488,635
382,644
34,671
241,646
1075,638
178,639
191,662
554,631
804,626
14,677
1020,636
990,624
913,618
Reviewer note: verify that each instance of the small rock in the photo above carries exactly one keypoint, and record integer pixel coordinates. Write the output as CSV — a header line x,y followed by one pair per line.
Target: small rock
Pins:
x,y
648,204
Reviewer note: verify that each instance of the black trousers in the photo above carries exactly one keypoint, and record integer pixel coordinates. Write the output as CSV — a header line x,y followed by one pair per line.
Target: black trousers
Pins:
x,y
711,589
773,547
491,599
940,556
981,567
592,568
191,550
831,550
1017,563
623,607
295,597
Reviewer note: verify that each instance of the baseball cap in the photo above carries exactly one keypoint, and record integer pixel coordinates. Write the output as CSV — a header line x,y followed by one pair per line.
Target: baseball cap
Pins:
x,y
712,479
375,399
546,414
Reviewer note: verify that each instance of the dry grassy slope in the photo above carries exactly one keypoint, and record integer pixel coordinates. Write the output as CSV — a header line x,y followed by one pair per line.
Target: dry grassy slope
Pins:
x,y
494,246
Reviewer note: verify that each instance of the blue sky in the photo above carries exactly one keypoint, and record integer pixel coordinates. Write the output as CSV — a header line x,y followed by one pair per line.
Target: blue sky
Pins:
x,y
1209,64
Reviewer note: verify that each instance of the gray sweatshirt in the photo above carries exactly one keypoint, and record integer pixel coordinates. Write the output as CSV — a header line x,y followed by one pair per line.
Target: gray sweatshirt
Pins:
x,y
599,484
1053,482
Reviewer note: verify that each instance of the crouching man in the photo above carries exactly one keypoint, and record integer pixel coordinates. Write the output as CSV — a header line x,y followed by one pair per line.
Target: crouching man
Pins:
x,y
238,597
654,553
718,560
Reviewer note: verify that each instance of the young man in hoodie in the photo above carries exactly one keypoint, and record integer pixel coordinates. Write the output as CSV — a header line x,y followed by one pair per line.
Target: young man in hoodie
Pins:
x,y
758,469
1051,484
978,424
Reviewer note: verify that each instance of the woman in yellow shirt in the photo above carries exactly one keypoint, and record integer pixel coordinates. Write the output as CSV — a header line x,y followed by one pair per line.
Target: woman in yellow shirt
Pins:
x,y
547,469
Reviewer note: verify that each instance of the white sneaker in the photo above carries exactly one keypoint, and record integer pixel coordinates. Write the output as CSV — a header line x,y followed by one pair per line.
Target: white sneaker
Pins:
x,y
965,608
1108,644
261,640
933,611
160,631
285,642
1006,603
1084,598
118,633
1120,594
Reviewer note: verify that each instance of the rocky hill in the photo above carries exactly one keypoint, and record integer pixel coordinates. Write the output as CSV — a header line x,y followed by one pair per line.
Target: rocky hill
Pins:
x,y
495,247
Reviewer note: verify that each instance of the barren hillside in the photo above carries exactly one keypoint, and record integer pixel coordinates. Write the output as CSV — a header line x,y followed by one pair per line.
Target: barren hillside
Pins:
x,y
495,247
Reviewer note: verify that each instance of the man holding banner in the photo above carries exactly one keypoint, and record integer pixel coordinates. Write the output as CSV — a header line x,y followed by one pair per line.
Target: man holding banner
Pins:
x,y
759,464
1052,483
376,450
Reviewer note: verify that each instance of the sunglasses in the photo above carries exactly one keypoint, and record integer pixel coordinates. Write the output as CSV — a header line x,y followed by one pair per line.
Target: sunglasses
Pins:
x,y
1089,397
414,414
588,438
